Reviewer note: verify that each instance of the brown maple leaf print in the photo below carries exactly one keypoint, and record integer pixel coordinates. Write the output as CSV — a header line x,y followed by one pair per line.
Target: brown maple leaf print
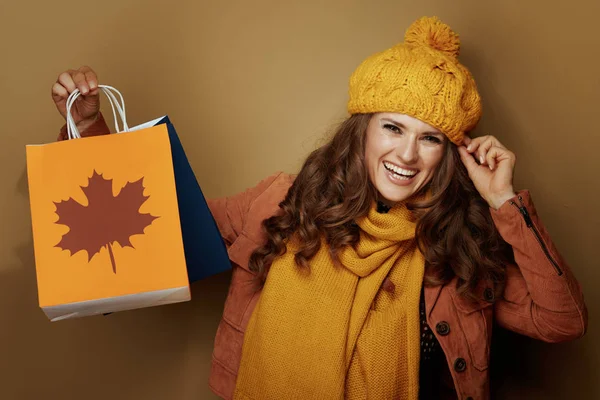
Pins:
x,y
105,220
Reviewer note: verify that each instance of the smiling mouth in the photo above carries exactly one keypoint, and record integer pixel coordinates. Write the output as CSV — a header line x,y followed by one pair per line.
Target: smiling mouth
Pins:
x,y
399,173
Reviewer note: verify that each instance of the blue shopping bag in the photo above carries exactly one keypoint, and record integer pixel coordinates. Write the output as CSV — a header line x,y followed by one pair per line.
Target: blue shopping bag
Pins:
x,y
205,251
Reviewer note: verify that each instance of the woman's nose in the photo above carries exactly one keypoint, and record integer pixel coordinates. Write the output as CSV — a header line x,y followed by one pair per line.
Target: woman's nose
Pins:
x,y
407,151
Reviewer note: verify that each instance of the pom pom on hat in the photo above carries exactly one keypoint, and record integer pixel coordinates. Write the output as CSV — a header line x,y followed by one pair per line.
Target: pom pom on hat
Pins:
x,y
431,32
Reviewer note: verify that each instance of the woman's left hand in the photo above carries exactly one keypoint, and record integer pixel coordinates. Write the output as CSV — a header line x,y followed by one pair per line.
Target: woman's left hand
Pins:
x,y
493,175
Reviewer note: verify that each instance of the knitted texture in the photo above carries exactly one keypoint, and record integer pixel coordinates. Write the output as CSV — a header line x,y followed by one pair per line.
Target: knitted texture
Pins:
x,y
420,77
330,332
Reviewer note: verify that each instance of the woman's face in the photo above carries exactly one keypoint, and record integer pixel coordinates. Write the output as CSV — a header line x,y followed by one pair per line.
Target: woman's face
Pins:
x,y
401,154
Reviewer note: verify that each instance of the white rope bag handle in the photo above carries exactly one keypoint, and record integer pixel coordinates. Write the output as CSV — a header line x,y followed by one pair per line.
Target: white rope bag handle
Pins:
x,y
117,108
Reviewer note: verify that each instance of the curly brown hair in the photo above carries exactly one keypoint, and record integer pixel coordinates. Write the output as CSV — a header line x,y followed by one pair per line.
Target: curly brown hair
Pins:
x,y
455,231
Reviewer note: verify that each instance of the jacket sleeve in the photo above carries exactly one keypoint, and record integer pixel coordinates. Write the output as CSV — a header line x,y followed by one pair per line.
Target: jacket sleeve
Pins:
x,y
99,127
542,298
230,213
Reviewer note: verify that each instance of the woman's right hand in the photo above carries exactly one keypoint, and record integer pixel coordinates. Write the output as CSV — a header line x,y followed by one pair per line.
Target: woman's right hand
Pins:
x,y
86,108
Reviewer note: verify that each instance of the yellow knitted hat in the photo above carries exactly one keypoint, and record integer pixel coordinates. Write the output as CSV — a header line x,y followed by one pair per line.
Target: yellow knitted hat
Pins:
x,y
421,77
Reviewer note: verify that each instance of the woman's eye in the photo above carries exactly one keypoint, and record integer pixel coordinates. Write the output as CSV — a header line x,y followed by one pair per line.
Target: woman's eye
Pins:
x,y
433,139
392,128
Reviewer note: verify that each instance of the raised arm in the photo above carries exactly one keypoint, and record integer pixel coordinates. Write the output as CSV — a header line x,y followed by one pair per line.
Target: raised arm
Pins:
x,y
542,298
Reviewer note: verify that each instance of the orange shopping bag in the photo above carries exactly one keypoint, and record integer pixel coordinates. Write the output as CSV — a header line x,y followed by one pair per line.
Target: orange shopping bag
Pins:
x,y
105,221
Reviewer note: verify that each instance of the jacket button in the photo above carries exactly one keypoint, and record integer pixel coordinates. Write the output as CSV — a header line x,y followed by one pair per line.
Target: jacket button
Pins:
x,y
488,295
460,364
443,328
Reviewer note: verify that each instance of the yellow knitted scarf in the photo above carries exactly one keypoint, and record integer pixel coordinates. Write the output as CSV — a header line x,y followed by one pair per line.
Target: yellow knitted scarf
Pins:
x,y
332,333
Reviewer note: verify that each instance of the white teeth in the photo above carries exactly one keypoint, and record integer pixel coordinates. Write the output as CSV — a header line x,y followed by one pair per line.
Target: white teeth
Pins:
x,y
401,177
399,170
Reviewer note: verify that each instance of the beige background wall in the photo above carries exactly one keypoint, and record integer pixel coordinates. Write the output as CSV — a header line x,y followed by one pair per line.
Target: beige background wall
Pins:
x,y
251,88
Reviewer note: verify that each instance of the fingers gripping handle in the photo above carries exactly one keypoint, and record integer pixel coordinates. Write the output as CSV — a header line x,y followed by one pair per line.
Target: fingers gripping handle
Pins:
x,y
117,108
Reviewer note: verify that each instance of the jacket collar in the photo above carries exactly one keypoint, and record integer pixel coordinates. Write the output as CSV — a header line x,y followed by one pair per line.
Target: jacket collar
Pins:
x,y
432,293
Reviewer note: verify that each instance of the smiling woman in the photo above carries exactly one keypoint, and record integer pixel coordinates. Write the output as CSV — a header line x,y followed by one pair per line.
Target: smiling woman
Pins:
x,y
379,270
402,154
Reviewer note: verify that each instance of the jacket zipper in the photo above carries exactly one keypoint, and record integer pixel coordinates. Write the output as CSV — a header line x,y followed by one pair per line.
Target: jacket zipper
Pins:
x,y
523,210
